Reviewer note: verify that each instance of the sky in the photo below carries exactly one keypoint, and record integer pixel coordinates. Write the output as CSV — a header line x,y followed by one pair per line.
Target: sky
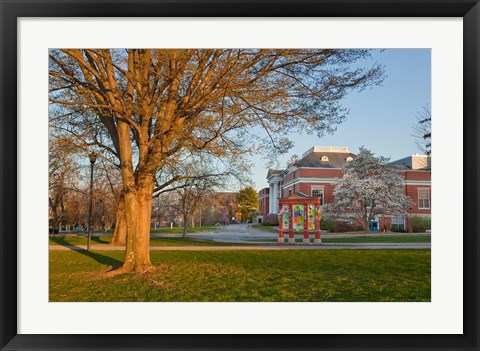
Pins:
x,y
380,118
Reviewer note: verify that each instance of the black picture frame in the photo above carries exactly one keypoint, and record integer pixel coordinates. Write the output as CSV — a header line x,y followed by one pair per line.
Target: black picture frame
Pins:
x,y
12,10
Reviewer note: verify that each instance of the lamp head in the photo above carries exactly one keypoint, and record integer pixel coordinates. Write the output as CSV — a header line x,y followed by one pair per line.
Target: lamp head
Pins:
x,y
92,157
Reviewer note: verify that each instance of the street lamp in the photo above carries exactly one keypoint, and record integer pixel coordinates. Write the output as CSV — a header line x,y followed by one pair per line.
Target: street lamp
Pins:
x,y
93,158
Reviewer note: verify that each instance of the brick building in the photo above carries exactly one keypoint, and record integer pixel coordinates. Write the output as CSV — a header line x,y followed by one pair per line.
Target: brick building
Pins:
x,y
320,168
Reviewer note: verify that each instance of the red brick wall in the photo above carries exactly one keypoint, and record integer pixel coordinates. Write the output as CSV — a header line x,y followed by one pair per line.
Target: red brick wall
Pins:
x,y
263,205
263,201
412,193
417,175
320,173
290,176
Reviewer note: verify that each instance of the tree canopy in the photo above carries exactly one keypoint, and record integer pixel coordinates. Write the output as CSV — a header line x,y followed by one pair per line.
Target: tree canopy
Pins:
x,y
247,202
370,187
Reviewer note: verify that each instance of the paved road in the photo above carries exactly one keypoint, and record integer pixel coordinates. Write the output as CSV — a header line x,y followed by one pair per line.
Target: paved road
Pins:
x,y
244,234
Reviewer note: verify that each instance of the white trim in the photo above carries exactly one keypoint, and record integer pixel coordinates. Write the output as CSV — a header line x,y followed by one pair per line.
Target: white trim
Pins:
x,y
418,182
274,178
312,180
319,167
429,199
318,187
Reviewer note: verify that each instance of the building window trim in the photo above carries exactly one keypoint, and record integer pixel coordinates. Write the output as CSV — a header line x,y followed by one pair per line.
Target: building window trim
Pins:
x,y
322,197
424,203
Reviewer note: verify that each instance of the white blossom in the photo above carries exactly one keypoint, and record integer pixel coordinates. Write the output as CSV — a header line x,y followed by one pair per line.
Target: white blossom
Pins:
x,y
370,187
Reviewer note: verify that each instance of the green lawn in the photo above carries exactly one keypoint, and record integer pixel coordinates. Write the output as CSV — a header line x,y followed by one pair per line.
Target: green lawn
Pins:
x,y
365,239
296,275
104,240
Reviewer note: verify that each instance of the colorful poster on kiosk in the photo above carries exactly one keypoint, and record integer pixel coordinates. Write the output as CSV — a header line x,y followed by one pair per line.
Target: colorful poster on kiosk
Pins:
x,y
298,218
285,215
311,217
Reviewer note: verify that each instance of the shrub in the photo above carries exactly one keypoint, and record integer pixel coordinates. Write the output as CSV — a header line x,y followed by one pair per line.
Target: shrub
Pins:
x,y
327,224
398,228
342,227
270,220
338,226
420,224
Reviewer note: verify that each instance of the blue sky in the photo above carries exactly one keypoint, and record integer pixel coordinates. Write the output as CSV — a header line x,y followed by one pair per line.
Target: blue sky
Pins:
x,y
380,118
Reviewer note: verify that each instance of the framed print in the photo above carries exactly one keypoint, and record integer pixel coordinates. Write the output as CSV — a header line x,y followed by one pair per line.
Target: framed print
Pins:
x,y
75,58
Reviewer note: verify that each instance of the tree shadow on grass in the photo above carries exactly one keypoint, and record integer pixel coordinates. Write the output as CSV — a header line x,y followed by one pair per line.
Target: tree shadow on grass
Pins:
x,y
102,259
99,241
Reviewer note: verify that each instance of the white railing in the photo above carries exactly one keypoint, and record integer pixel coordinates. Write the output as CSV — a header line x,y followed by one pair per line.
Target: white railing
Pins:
x,y
342,149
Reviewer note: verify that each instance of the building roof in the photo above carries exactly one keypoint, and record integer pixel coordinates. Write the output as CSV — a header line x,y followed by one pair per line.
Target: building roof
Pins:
x,y
414,162
273,172
323,159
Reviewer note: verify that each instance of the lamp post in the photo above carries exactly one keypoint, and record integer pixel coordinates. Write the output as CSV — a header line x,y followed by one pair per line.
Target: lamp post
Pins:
x,y
93,158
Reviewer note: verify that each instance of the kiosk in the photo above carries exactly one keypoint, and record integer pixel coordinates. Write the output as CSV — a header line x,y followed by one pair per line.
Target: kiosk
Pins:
x,y
299,213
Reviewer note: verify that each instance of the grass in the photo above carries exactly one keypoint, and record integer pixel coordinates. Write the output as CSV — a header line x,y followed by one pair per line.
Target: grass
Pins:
x,y
305,275
104,240
365,239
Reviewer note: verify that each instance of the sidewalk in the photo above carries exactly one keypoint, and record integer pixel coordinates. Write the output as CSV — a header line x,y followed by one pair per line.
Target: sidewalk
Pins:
x,y
359,246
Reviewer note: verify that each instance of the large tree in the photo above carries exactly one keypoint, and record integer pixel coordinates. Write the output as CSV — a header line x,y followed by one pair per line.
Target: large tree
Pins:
x,y
153,104
370,187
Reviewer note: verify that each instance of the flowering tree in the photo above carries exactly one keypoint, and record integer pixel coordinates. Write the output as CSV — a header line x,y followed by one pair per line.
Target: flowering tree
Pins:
x,y
369,188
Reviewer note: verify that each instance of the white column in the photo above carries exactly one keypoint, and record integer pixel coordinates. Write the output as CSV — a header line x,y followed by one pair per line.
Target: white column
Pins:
x,y
275,197
270,198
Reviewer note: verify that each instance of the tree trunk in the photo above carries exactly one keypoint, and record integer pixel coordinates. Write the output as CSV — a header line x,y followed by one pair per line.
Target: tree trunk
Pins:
x,y
138,207
119,237
366,225
185,225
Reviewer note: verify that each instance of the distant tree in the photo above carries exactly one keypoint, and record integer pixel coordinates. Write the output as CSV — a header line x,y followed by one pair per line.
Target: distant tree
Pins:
x,y
370,187
294,158
189,195
62,179
422,130
247,203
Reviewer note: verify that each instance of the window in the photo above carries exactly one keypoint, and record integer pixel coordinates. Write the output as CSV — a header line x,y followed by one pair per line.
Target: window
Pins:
x,y
324,158
398,224
423,198
318,192
349,158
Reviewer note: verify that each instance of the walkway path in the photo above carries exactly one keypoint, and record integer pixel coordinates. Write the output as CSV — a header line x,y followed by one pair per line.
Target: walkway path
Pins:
x,y
369,246
245,234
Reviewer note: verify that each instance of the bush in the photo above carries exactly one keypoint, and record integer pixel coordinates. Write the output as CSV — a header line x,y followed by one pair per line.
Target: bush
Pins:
x,y
421,224
398,228
342,227
270,220
338,226
327,224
